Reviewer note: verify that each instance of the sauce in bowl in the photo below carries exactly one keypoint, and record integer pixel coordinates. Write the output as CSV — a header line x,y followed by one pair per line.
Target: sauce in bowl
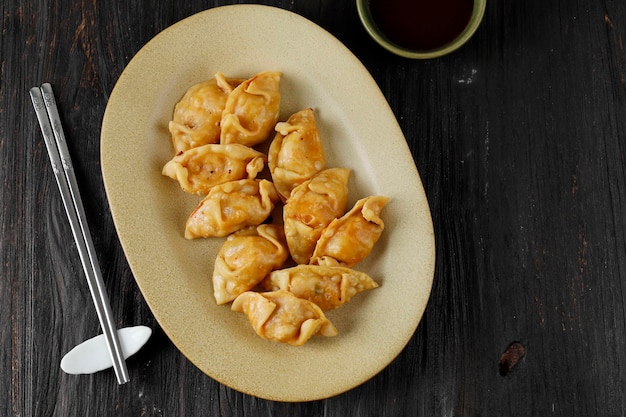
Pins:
x,y
421,24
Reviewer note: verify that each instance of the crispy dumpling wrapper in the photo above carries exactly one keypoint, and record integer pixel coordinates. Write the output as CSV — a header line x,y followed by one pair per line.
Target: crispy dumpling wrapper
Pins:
x,y
311,207
349,239
230,207
199,169
197,116
282,317
246,258
251,110
327,286
296,152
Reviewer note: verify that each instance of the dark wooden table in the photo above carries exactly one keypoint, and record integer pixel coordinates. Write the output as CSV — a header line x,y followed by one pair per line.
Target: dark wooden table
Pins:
x,y
520,139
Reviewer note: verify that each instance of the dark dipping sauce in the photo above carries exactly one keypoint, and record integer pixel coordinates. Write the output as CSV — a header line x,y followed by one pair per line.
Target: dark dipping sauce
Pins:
x,y
421,25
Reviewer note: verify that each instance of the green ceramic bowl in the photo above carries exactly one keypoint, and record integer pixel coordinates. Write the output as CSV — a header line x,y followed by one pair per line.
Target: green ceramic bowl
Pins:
x,y
368,21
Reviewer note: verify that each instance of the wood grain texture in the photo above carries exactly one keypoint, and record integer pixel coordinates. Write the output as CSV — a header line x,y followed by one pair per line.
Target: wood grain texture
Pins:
x,y
520,140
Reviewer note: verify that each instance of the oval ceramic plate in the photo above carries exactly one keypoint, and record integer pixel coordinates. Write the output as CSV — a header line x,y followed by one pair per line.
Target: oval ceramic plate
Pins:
x,y
359,132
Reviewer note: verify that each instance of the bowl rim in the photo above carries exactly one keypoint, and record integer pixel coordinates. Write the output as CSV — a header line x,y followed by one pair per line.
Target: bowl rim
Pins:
x,y
372,29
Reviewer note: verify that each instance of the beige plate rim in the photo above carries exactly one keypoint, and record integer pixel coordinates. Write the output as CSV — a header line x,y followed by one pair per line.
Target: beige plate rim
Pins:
x,y
359,131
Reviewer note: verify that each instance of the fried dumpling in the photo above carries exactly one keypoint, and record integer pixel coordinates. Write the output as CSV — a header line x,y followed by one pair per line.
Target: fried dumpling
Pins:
x,y
327,286
251,110
311,207
246,258
199,169
348,240
197,116
230,207
296,152
282,317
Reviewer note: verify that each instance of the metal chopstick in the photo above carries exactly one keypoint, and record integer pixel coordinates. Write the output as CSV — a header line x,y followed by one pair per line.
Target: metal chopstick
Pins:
x,y
54,138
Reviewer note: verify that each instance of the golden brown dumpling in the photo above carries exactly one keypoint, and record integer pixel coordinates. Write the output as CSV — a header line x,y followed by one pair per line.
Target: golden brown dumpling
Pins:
x,y
348,240
230,207
327,286
311,207
296,153
251,110
246,258
199,169
197,116
282,317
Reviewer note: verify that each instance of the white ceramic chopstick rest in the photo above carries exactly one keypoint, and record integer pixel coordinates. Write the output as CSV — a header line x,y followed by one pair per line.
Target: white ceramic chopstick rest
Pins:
x,y
93,355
